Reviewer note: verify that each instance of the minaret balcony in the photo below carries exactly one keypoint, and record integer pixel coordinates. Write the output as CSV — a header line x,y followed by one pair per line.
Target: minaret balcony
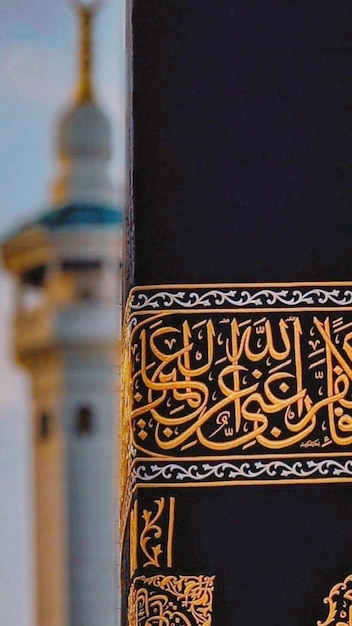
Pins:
x,y
49,327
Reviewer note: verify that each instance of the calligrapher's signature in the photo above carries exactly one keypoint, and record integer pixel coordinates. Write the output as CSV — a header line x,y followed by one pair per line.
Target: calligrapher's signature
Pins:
x,y
316,443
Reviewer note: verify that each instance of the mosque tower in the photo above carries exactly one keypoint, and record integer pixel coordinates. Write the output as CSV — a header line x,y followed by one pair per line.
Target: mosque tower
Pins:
x,y
66,266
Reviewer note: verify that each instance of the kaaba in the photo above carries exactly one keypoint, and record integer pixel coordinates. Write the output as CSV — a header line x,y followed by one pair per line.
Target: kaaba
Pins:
x,y
236,424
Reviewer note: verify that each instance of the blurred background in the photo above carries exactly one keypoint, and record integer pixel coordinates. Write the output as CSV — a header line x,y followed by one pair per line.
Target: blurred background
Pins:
x,y
38,66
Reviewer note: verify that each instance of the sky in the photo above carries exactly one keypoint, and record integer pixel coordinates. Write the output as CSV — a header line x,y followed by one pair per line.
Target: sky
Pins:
x,y
38,44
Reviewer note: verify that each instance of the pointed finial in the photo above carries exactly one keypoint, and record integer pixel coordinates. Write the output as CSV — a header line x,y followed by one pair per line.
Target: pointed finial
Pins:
x,y
86,10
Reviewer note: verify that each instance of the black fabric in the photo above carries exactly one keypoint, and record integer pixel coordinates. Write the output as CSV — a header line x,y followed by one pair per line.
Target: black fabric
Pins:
x,y
242,143
242,172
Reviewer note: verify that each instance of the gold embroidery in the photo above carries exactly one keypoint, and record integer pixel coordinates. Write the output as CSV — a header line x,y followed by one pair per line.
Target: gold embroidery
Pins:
x,y
236,383
133,538
151,528
168,600
175,406
154,530
126,401
339,602
170,532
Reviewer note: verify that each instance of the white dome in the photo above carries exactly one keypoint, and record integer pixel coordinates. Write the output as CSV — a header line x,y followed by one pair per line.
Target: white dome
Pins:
x,y
84,147
84,131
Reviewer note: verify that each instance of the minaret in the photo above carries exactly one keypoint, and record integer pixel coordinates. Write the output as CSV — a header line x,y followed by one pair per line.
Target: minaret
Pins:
x,y
66,266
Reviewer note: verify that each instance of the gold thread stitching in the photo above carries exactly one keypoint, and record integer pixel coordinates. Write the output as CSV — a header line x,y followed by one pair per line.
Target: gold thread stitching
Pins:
x,y
186,600
339,603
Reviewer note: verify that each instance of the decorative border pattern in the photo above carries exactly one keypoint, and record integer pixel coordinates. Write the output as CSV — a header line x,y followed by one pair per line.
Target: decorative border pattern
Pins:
x,y
196,472
170,600
250,296
339,603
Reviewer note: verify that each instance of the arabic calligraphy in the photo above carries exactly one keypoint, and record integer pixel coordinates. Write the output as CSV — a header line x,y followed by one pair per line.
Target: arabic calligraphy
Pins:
x,y
339,603
169,600
220,384
237,383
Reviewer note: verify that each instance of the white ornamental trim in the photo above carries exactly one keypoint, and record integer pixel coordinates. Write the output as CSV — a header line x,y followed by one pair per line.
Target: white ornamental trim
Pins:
x,y
240,298
247,470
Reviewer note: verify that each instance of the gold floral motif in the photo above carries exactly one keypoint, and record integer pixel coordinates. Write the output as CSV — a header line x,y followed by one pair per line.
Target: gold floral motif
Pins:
x,y
152,529
155,528
339,602
169,600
